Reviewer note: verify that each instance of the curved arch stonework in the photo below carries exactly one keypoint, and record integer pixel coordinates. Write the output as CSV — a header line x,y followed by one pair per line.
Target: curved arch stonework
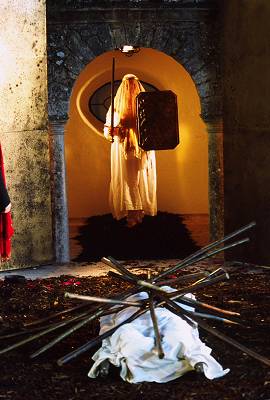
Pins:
x,y
191,38
189,34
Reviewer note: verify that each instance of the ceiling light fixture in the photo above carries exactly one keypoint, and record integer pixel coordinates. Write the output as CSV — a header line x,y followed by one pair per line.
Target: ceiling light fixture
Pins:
x,y
129,50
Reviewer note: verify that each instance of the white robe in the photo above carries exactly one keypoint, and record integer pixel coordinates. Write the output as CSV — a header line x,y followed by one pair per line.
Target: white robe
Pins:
x,y
133,181
132,346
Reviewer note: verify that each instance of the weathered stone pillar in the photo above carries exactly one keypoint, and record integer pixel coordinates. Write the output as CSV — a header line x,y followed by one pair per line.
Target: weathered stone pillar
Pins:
x,y
59,197
24,127
216,177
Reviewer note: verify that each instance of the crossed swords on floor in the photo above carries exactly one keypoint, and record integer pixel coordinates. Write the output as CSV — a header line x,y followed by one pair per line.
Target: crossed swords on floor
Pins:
x,y
157,297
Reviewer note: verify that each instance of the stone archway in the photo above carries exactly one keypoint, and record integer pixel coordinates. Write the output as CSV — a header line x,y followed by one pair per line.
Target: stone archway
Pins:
x,y
183,171
189,35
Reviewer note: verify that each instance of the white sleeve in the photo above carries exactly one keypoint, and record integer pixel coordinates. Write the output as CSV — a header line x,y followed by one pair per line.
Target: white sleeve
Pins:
x,y
116,119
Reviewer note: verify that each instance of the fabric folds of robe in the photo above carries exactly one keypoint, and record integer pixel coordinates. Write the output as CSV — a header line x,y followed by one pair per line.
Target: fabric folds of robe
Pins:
x,y
132,347
6,228
133,170
133,182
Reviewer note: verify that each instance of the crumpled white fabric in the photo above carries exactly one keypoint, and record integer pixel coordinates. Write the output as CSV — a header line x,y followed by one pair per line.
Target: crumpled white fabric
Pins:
x,y
132,346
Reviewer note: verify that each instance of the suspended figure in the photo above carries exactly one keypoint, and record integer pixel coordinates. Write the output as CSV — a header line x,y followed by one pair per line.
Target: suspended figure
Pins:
x,y
6,229
133,170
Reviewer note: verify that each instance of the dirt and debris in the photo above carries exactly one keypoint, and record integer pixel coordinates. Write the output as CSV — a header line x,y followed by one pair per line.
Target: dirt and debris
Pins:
x,y
22,302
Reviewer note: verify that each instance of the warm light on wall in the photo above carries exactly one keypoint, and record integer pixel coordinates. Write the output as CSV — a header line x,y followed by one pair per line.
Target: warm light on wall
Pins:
x,y
182,172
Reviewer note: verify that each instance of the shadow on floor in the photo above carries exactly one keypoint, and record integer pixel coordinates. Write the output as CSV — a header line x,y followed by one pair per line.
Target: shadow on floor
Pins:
x,y
160,237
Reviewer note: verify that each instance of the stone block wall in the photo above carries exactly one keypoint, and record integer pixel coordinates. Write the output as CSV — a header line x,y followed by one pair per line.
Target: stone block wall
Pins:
x,y
79,31
247,123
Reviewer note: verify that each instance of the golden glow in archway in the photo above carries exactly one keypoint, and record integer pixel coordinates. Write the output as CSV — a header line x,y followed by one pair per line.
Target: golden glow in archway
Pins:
x,y
182,172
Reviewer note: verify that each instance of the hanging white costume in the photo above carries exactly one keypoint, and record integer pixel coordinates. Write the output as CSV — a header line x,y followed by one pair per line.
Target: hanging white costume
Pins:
x,y
133,171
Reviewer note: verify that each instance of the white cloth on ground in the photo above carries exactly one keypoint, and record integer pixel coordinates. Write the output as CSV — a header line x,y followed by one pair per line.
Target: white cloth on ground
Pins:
x,y
132,346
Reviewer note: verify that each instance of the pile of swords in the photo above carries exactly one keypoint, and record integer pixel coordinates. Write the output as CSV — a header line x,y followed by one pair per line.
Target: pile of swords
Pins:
x,y
84,313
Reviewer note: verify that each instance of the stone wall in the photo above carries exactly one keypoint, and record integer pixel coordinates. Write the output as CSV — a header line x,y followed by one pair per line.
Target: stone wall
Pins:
x,y
247,123
23,125
189,31
79,31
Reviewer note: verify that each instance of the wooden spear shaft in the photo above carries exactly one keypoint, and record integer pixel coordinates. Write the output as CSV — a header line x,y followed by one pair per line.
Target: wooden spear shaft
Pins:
x,y
213,331
124,271
210,276
208,255
55,315
155,326
192,288
177,306
32,330
198,304
182,278
93,342
132,277
70,331
119,267
186,315
98,313
112,97
102,300
195,257
227,339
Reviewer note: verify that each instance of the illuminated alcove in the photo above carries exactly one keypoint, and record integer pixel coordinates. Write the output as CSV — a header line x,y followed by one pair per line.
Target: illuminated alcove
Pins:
x,y
182,173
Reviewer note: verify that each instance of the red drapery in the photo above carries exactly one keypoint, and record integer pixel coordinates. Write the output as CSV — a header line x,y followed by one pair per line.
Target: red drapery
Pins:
x,y
6,229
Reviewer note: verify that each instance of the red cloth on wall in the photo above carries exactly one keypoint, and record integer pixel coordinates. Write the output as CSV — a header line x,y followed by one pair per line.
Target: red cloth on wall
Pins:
x,y
6,228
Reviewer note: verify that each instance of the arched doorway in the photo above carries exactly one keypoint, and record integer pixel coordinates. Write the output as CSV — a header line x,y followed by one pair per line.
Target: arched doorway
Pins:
x,y
182,173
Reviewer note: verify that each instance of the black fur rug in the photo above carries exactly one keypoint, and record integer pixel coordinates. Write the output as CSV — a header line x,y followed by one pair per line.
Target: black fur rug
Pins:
x,y
161,237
